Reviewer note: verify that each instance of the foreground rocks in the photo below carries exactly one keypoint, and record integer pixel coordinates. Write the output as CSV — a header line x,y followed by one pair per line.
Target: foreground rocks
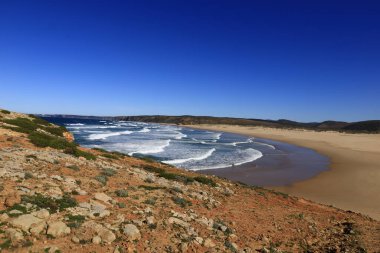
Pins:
x,y
51,201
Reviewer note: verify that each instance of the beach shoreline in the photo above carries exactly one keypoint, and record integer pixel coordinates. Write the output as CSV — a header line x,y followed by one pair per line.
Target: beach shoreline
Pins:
x,y
352,181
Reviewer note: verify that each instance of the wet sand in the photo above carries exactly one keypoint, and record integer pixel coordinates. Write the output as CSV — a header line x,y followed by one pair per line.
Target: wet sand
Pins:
x,y
351,183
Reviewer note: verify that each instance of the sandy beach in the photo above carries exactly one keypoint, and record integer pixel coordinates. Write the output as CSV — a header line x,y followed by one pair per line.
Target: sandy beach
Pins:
x,y
353,180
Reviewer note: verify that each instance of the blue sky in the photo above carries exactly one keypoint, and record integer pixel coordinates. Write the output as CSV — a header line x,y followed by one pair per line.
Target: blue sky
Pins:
x,y
300,60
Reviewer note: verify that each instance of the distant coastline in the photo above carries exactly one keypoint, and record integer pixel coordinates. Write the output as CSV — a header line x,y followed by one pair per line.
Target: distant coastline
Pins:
x,y
369,126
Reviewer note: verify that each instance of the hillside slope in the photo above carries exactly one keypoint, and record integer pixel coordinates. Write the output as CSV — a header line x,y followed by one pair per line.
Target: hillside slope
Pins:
x,y
58,197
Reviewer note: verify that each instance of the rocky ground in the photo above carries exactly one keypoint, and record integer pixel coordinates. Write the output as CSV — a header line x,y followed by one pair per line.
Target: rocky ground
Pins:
x,y
56,197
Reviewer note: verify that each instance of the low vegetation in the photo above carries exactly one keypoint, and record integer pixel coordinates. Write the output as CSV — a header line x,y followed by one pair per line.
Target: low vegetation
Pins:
x,y
50,203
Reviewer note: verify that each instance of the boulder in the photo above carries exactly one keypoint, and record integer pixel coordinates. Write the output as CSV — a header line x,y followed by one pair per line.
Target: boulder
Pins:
x,y
208,243
58,228
132,232
102,197
178,222
25,221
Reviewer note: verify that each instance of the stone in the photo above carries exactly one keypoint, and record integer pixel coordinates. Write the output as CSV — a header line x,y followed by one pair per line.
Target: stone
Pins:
x,y
57,229
208,243
37,229
4,217
150,220
178,222
106,235
96,240
199,240
42,214
25,221
132,232
14,234
102,197
57,177
75,239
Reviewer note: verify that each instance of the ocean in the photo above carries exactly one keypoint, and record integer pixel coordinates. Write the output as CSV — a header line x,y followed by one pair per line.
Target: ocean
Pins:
x,y
275,163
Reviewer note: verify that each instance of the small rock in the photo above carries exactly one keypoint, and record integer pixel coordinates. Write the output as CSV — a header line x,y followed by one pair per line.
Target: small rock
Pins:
x,y
42,214
132,232
178,222
102,197
4,217
57,177
96,240
199,240
75,239
209,243
57,229
150,220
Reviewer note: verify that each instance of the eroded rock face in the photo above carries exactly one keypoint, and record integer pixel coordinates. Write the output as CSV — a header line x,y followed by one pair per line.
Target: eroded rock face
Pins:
x,y
132,232
58,229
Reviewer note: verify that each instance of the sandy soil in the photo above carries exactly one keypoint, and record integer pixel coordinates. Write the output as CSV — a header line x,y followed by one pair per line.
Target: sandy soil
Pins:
x,y
353,181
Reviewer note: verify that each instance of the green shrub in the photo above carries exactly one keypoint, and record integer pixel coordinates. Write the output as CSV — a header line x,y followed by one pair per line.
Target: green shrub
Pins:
x,y
151,188
23,123
73,150
58,131
150,201
43,140
102,179
153,169
121,193
108,172
73,167
181,201
121,205
75,221
52,204
5,111
28,175
39,120
205,180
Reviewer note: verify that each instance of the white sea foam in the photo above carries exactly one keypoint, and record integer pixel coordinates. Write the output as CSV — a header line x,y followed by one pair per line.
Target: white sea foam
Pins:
x,y
180,135
252,155
106,135
144,130
75,124
265,144
148,147
198,158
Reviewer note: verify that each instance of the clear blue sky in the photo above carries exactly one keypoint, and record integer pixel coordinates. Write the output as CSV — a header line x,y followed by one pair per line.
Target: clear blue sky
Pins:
x,y
300,60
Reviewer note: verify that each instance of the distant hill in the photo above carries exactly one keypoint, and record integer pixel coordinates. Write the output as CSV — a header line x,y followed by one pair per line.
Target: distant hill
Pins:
x,y
371,126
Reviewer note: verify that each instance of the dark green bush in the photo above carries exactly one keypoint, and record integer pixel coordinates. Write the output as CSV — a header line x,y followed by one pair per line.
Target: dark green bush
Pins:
x,y
44,140
181,201
75,221
205,180
49,203
109,172
121,193
5,111
102,179
23,123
